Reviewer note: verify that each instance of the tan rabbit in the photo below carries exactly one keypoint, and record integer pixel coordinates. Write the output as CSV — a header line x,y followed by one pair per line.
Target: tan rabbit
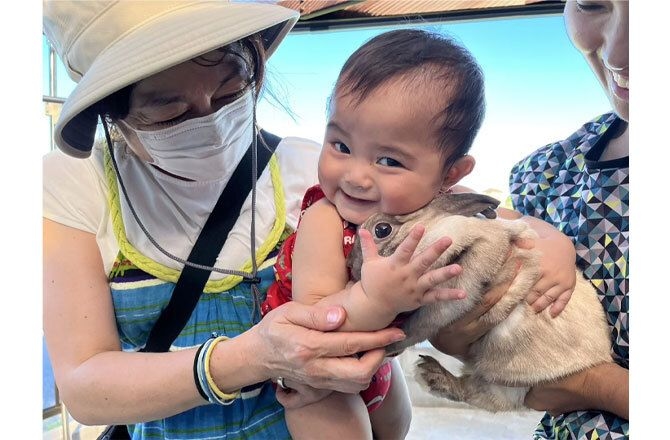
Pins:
x,y
523,348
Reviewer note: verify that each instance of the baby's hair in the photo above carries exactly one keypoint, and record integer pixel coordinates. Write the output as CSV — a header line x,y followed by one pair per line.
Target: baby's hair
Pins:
x,y
434,59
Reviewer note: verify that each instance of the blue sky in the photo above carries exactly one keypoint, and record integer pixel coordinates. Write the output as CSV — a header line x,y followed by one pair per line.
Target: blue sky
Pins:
x,y
539,88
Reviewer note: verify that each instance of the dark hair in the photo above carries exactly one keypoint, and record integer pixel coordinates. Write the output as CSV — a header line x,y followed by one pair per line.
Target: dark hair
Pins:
x,y
250,49
435,59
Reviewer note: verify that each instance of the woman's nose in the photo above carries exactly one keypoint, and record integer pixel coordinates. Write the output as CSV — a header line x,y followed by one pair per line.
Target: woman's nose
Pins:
x,y
203,107
615,46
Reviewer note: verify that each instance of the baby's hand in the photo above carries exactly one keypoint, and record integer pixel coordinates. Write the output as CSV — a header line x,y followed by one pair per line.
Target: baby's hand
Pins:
x,y
403,281
558,276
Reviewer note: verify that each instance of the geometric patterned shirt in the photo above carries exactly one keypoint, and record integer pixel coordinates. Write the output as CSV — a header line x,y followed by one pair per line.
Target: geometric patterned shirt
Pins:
x,y
566,185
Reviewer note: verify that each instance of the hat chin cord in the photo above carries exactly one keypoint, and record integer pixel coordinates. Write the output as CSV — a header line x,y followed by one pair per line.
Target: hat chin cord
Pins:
x,y
248,277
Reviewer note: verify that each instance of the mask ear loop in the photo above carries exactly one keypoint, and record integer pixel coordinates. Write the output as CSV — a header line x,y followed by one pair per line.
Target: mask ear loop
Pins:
x,y
256,296
248,277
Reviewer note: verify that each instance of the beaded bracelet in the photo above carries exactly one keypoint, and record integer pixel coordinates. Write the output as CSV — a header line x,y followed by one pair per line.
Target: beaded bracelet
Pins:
x,y
203,377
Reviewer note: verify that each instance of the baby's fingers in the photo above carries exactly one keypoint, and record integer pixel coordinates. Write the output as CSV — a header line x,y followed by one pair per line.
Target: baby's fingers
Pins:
x,y
424,260
406,249
435,277
368,246
435,295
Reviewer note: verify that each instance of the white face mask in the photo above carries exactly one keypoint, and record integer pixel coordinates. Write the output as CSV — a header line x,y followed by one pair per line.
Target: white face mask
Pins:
x,y
196,148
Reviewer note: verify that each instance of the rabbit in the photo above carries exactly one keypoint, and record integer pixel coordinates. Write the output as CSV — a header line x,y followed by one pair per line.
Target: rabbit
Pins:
x,y
523,348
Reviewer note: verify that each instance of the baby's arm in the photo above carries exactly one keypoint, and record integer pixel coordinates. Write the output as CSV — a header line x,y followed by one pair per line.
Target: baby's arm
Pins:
x,y
319,266
390,285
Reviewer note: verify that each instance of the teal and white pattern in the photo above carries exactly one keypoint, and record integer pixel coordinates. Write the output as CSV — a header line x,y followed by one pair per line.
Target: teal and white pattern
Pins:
x,y
139,299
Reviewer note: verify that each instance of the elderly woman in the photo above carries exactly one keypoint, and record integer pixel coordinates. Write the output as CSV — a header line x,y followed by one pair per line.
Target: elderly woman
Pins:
x,y
175,86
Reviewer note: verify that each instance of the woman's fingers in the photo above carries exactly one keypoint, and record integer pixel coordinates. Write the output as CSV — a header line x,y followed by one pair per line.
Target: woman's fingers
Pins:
x,y
305,318
348,374
296,348
296,395
560,303
313,317
556,297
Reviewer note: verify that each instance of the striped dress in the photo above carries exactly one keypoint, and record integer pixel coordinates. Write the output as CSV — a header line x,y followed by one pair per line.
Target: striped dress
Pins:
x,y
138,300
141,289
567,185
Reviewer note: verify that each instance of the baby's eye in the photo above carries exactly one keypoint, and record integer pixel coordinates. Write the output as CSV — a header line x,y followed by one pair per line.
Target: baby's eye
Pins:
x,y
389,162
383,230
339,146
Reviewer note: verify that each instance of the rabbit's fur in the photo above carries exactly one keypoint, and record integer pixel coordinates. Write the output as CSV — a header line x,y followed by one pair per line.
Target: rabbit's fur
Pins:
x,y
523,348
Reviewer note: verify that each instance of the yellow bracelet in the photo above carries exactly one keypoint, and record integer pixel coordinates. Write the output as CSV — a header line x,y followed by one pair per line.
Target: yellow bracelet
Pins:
x,y
210,380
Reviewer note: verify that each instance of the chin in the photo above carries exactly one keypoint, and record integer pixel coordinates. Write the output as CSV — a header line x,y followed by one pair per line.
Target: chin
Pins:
x,y
353,217
622,111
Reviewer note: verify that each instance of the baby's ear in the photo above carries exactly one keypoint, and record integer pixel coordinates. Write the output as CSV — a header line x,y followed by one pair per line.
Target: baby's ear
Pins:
x,y
458,170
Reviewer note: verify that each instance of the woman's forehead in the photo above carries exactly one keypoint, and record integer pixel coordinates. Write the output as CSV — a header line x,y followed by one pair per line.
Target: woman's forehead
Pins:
x,y
192,76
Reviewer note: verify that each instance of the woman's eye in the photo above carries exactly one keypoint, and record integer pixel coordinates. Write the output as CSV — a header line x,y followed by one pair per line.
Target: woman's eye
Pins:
x,y
389,162
230,96
339,146
589,6
383,230
170,122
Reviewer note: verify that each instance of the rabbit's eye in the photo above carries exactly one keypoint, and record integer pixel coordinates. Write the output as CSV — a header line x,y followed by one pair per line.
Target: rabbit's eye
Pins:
x,y
382,230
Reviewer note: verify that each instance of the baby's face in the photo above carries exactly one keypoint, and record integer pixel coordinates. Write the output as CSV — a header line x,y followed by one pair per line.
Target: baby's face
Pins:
x,y
381,154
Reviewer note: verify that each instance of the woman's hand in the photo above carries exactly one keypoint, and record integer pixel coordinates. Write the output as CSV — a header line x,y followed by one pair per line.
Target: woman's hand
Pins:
x,y
557,263
602,387
297,395
558,274
557,280
297,342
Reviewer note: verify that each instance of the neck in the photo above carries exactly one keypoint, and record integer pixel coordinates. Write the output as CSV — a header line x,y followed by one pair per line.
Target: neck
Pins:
x,y
617,147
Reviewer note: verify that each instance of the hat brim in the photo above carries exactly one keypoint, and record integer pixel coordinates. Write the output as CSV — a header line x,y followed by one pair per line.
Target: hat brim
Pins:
x,y
160,43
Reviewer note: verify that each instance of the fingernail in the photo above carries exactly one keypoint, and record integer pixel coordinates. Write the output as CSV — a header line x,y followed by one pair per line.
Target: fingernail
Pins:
x,y
399,337
333,316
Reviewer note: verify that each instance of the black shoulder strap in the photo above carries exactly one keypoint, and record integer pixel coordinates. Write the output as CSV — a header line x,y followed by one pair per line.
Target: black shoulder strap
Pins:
x,y
192,280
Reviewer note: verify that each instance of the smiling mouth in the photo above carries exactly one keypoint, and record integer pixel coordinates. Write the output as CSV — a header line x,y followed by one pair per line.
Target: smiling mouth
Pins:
x,y
619,80
355,200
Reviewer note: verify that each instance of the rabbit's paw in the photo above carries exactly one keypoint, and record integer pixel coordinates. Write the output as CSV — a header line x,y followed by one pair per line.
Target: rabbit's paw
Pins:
x,y
437,380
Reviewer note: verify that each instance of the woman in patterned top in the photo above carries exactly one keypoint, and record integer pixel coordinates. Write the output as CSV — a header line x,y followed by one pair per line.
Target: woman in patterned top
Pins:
x,y
580,185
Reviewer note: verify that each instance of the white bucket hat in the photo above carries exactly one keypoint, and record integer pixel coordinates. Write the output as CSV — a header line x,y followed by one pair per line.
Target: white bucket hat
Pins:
x,y
108,45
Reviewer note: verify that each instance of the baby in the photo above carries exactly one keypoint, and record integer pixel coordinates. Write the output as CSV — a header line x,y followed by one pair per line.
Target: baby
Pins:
x,y
403,114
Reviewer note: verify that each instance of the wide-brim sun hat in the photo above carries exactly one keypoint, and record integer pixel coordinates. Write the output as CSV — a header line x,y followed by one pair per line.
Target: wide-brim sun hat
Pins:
x,y
108,45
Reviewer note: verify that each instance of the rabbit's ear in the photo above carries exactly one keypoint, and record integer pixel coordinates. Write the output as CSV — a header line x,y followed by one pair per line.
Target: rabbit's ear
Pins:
x,y
467,204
